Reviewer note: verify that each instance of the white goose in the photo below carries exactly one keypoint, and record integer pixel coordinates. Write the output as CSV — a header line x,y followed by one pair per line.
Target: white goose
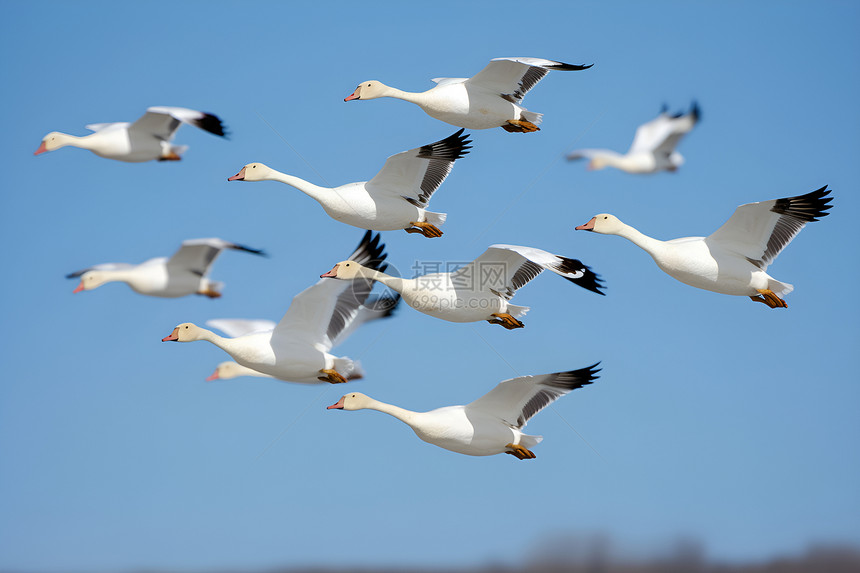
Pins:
x,y
396,198
146,139
321,316
480,290
490,425
653,147
734,258
235,327
491,98
229,369
186,272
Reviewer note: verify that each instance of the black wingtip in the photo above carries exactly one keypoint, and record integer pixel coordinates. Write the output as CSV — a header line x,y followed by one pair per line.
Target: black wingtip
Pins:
x,y
573,379
589,279
370,252
259,252
695,112
451,148
561,66
211,123
807,208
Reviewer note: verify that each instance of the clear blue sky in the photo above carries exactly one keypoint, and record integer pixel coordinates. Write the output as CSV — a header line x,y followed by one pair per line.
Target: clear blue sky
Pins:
x,y
714,417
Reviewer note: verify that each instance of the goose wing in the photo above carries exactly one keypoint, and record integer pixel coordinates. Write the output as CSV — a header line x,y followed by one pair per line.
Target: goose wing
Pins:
x,y
516,400
416,174
321,313
759,231
512,78
197,255
162,122
505,268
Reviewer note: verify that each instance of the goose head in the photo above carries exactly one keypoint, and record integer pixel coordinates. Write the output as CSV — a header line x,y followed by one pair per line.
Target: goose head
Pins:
x,y
52,141
253,172
368,90
597,163
352,401
344,270
185,332
225,371
92,279
604,223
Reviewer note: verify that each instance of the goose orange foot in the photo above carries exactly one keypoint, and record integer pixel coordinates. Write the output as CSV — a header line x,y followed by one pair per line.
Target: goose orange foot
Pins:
x,y
520,452
520,126
505,320
769,298
210,293
426,229
331,376
170,157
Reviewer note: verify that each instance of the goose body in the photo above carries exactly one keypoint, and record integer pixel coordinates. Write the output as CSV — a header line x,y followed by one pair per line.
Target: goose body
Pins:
x,y
480,290
148,138
734,259
492,424
653,147
396,198
184,273
298,348
491,98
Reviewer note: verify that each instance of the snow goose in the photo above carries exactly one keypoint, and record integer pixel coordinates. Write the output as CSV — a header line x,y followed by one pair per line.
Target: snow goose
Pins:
x,y
371,309
186,272
480,290
321,316
491,98
734,258
146,139
653,147
396,198
490,425
229,369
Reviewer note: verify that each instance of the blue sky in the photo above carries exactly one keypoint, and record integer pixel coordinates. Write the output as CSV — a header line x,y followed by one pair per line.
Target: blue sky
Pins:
x,y
714,418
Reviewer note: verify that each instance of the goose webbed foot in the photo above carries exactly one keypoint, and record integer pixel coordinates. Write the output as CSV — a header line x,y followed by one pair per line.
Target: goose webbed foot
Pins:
x,y
768,297
520,126
210,293
520,452
331,376
426,229
170,157
506,320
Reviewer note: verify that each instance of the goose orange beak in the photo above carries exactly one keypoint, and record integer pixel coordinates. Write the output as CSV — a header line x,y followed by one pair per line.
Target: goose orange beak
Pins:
x,y
238,177
588,226
338,406
42,149
331,274
79,288
172,337
352,96
211,377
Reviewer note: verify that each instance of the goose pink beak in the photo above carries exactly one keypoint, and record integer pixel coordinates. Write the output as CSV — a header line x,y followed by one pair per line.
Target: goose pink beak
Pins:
x,y
338,406
79,288
331,274
211,377
42,149
238,177
352,96
588,226
172,337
